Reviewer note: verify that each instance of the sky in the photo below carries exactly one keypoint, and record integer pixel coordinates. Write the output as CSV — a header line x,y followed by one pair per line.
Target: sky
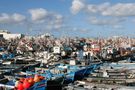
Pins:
x,y
81,18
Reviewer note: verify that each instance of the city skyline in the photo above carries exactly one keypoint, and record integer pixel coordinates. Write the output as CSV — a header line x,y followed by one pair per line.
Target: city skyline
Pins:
x,y
83,18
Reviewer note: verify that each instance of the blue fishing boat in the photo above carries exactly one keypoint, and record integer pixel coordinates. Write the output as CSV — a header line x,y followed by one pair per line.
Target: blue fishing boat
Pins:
x,y
69,78
75,72
80,73
8,56
6,84
53,80
39,85
68,71
91,68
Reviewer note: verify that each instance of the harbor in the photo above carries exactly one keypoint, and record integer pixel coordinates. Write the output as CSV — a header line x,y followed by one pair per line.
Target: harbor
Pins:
x,y
45,63
67,45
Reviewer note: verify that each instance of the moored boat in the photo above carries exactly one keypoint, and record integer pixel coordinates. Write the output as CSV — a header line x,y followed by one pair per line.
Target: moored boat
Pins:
x,y
54,80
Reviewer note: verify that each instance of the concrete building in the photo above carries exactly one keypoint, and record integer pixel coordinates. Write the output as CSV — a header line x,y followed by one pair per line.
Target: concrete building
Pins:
x,y
7,35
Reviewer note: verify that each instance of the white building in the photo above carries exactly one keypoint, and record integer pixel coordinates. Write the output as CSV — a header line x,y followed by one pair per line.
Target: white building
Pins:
x,y
7,35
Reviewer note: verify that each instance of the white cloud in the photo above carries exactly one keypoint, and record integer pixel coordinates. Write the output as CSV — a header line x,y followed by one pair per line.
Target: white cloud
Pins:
x,y
11,19
118,27
57,26
58,18
58,21
84,30
120,9
112,13
105,9
77,5
91,8
51,20
18,17
38,14
4,18
39,18
109,21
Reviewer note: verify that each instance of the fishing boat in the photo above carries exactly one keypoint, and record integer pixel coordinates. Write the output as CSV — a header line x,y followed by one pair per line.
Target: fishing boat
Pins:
x,y
122,74
86,70
92,67
68,71
39,85
16,80
54,80
75,72
13,82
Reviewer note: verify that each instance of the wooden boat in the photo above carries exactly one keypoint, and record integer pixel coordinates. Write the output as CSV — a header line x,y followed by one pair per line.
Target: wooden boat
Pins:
x,y
5,83
85,71
11,85
75,72
42,85
121,74
68,71
53,80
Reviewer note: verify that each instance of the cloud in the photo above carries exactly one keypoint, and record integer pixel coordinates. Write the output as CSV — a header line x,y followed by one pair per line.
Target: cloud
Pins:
x,y
84,31
58,21
91,8
54,21
38,18
38,15
18,17
103,21
104,9
11,18
118,27
120,9
112,13
50,19
77,5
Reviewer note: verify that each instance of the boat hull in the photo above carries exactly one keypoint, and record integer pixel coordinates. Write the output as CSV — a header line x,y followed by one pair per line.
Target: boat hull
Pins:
x,y
42,85
56,83
69,78
91,68
80,74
